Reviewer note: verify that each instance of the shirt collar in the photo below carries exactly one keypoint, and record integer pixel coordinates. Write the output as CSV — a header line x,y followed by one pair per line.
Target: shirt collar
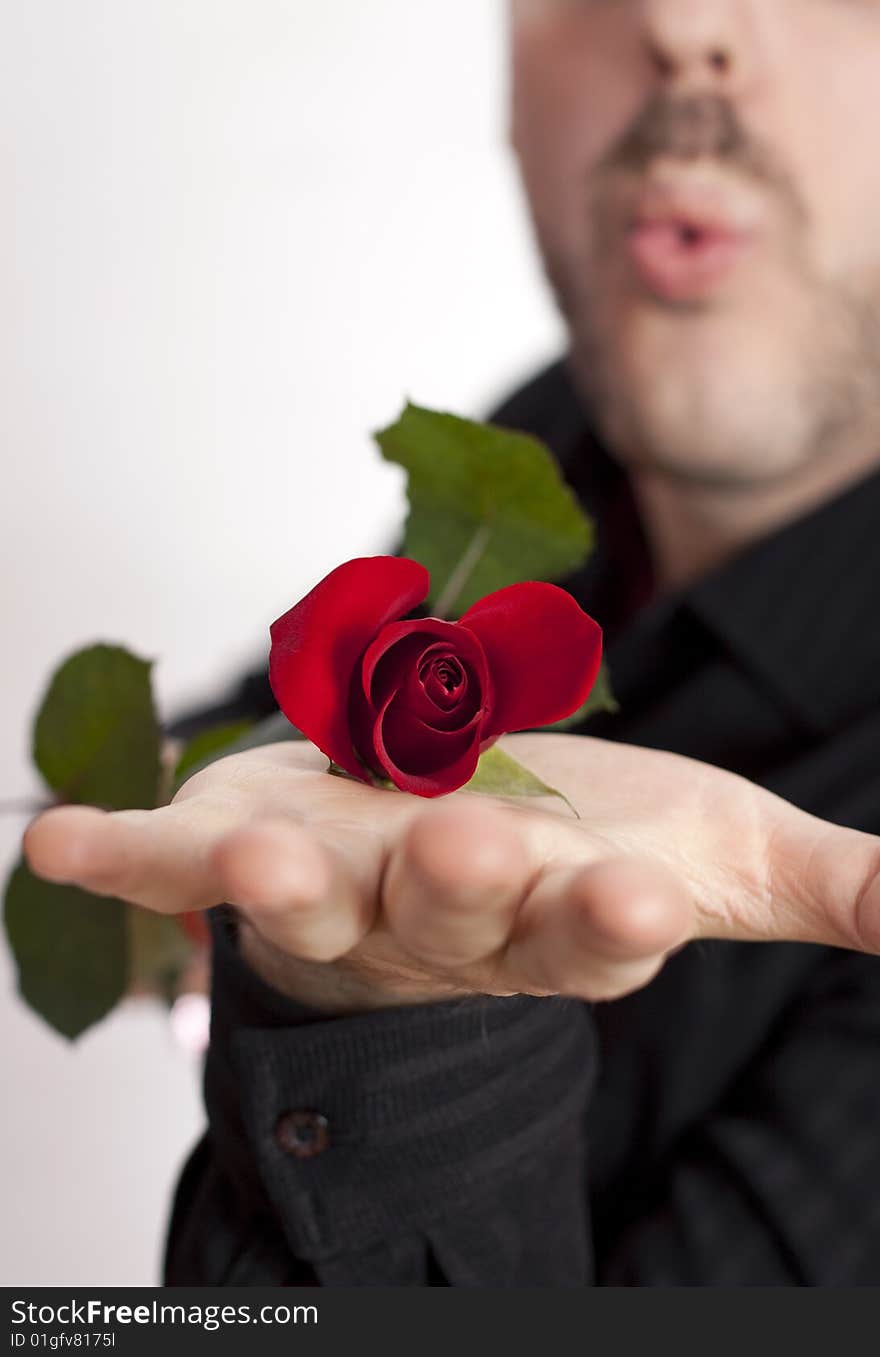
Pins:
x,y
799,608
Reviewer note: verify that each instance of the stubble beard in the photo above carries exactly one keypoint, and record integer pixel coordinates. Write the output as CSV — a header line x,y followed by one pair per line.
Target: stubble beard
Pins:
x,y
732,429
824,398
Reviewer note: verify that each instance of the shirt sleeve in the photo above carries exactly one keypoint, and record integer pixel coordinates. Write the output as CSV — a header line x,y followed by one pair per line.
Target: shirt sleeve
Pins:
x,y
441,1144
781,1184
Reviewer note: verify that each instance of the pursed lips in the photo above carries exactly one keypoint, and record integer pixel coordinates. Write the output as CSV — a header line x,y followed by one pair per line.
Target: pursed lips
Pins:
x,y
686,231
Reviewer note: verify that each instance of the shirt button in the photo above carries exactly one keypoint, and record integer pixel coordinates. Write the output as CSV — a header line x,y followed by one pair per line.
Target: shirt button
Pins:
x,y
302,1134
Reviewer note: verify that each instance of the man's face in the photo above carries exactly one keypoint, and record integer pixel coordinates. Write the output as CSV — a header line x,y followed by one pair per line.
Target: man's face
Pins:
x,y
704,177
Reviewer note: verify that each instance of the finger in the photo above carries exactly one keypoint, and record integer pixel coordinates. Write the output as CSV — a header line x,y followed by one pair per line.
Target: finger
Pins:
x,y
299,892
821,885
598,932
155,858
454,883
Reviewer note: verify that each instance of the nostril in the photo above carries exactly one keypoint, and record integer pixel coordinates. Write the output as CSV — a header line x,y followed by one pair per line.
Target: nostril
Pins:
x,y
719,61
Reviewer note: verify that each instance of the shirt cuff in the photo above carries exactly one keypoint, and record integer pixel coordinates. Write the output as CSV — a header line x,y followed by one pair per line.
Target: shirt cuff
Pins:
x,y
362,1128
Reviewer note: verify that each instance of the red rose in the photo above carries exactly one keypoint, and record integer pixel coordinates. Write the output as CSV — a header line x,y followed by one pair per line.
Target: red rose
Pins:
x,y
417,702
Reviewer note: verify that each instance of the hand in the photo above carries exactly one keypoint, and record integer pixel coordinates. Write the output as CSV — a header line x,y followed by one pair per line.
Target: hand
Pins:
x,y
351,897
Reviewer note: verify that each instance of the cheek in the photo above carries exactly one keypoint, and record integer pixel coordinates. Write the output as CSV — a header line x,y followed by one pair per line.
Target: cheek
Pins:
x,y
578,81
851,192
835,159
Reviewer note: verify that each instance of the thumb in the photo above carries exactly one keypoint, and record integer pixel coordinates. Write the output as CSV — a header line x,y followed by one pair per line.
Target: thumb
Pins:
x,y
820,884
838,871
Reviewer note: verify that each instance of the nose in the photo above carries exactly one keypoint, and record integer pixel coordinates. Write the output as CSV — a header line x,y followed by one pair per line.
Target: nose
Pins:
x,y
697,44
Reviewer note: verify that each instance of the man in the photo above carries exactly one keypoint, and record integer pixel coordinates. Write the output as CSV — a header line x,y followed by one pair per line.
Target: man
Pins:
x,y
476,1046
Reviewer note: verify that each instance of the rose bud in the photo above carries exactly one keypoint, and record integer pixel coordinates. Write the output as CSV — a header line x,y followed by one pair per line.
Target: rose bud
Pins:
x,y
416,702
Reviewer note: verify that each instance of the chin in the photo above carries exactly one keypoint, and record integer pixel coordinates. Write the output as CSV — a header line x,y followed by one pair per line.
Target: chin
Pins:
x,y
706,398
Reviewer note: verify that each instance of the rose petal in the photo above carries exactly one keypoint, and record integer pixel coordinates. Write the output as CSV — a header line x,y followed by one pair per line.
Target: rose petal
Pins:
x,y
383,671
419,701
362,713
434,762
416,747
317,645
544,654
394,655
390,669
445,680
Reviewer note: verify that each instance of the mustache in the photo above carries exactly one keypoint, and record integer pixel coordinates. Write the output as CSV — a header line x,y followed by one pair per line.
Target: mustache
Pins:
x,y
687,127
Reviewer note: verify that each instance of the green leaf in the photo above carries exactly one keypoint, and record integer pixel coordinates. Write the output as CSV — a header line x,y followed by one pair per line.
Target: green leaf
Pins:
x,y
96,738
499,774
487,507
70,948
600,699
274,729
206,747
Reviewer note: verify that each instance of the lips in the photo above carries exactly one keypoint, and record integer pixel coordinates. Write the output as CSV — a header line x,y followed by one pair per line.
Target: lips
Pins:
x,y
679,261
684,246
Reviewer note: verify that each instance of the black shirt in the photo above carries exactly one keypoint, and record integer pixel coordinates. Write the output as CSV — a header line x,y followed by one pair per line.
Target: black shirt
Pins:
x,y
720,1127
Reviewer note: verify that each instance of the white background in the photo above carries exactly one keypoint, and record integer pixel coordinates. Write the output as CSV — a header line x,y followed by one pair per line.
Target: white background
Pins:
x,y
234,237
